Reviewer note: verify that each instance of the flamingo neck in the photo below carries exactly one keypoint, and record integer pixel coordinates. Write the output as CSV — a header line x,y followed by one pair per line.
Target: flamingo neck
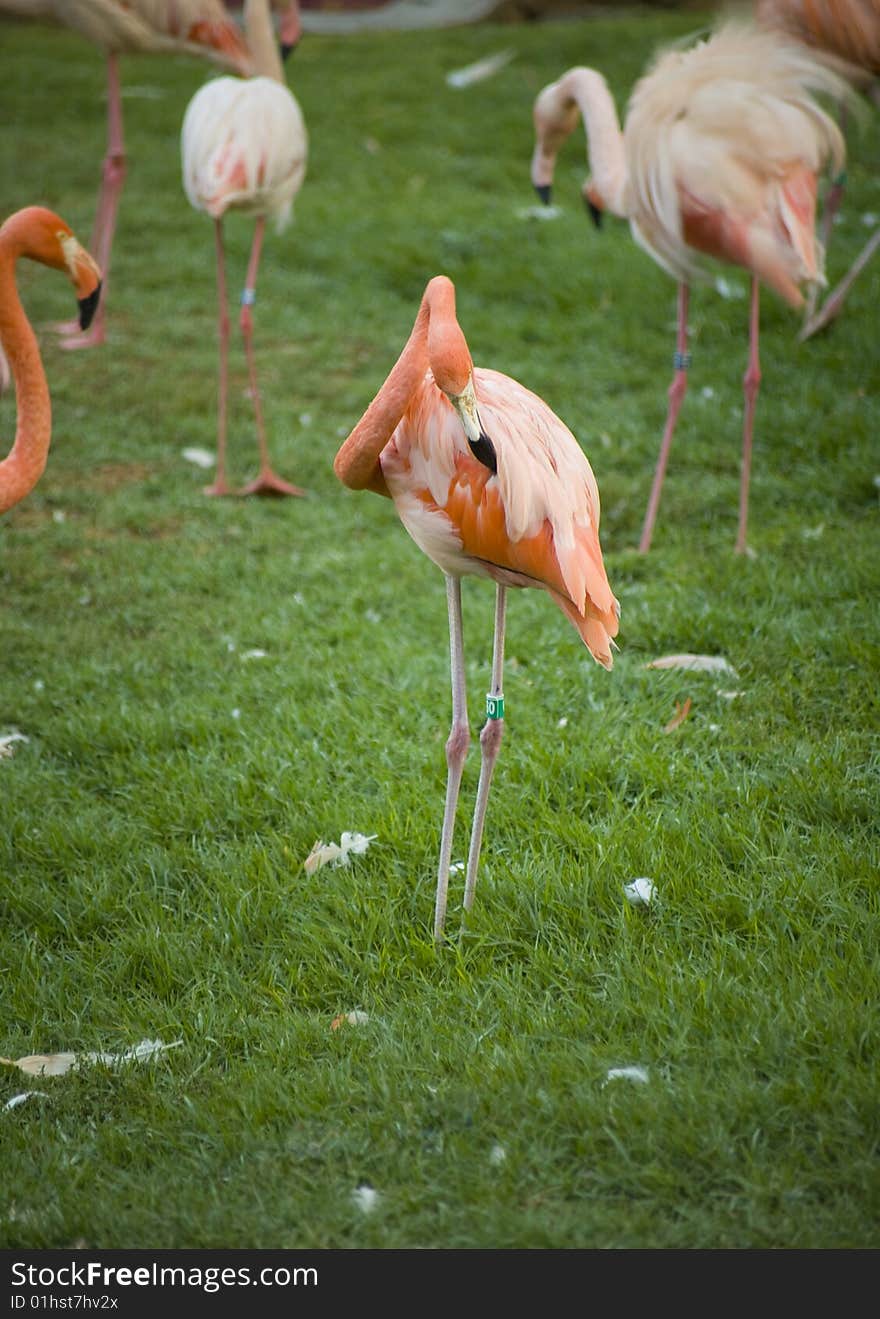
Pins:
x,y
588,90
22,468
260,32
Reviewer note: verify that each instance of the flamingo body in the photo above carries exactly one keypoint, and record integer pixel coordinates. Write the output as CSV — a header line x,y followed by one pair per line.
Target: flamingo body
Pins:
x,y
488,482
43,236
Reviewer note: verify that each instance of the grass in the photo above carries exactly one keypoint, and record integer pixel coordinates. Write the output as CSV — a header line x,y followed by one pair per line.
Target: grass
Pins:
x,y
155,823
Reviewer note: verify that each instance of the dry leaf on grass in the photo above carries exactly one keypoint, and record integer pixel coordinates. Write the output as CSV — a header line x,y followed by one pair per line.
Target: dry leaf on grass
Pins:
x,y
338,853
56,1064
355,1018
7,743
700,663
481,69
681,713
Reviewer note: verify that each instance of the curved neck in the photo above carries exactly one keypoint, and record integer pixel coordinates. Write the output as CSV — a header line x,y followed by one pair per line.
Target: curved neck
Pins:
x,y
21,470
436,341
260,33
586,91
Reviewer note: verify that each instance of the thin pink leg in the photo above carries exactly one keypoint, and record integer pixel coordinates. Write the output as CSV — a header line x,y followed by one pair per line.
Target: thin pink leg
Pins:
x,y
751,383
490,745
219,486
113,177
677,391
834,301
456,748
267,483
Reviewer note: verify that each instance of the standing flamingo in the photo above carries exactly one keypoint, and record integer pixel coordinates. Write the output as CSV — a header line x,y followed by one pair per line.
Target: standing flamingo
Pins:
x,y
42,236
848,33
718,157
193,27
490,483
244,148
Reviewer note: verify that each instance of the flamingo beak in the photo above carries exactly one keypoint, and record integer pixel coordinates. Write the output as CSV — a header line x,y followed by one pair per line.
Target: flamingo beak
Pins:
x,y
289,29
544,191
480,445
594,212
88,306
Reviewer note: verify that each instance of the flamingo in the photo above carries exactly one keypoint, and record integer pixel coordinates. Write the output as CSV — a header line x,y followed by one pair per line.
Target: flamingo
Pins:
x,y
718,157
193,27
244,148
490,483
42,236
848,33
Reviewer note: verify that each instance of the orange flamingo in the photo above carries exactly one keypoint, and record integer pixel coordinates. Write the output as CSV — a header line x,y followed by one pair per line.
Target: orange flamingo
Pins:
x,y
193,27
718,157
42,236
848,33
244,147
488,482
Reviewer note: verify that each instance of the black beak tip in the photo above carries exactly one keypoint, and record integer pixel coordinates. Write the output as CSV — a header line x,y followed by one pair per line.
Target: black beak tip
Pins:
x,y
287,48
594,212
87,308
544,192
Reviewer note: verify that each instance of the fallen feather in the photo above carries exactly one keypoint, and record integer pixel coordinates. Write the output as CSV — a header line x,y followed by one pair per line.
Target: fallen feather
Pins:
x,y
727,290
323,853
480,70
366,1198
562,723
8,740
813,533
729,695
869,219
355,1018
638,1074
538,213
456,867
56,1064
681,713
706,663
25,1094
497,1155
201,457
254,654
640,892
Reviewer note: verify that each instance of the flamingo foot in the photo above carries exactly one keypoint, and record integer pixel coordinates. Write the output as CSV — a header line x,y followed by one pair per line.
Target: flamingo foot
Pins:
x,y
65,328
267,483
218,488
822,317
83,339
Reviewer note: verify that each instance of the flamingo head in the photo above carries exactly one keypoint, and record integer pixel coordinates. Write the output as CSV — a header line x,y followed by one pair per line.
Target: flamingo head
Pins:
x,y
43,236
594,202
289,25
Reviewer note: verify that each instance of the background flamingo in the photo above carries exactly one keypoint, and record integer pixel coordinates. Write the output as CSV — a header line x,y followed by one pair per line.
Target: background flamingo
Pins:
x,y
193,27
244,148
719,156
42,236
848,33
488,482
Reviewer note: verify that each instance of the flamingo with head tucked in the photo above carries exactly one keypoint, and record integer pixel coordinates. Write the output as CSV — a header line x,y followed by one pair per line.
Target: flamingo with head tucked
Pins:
x,y
244,147
488,482
719,157
42,236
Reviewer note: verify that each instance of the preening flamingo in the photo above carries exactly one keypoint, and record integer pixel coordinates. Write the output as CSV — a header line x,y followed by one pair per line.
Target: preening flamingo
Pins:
x,y
244,148
117,27
718,157
488,482
847,32
42,236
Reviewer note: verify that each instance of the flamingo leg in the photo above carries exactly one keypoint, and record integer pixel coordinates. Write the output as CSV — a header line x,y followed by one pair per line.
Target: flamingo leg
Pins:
x,y
677,391
751,383
456,748
219,486
834,301
266,483
112,179
490,744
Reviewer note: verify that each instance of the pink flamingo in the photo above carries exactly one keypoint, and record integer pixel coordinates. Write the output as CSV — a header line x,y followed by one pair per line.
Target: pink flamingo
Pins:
x,y
847,32
718,157
244,148
193,27
42,236
488,482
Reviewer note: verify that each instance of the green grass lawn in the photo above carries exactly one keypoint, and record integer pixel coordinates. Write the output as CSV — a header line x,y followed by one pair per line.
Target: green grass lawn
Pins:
x,y
154,825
